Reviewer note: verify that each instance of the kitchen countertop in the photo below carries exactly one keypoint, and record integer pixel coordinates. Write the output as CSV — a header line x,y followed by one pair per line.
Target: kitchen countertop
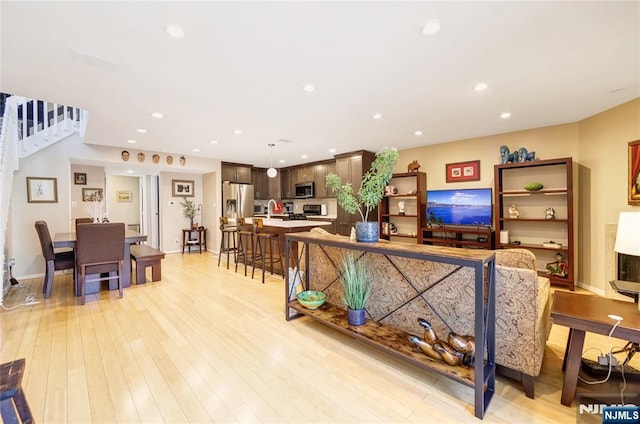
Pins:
x,y
322,216
278,223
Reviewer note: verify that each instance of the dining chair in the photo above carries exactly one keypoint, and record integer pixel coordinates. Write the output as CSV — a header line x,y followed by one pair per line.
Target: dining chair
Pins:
x,y
99,249
84,221
55,261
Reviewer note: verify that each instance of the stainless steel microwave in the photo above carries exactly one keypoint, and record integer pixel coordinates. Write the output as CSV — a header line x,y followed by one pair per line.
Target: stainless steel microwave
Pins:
x,y
305,190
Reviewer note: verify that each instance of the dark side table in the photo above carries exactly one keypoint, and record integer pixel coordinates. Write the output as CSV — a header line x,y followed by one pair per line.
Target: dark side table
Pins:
x,y
582,313
200,242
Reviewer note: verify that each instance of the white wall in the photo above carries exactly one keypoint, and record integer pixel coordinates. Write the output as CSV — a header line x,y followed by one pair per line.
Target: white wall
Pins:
x,y
121,211
172,220
95,179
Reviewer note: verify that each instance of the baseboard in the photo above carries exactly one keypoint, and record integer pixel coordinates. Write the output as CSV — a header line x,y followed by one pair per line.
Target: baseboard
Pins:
x,y
598,291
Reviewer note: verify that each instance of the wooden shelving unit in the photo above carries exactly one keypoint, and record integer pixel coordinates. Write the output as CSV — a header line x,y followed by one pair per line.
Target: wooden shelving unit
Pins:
x,y
412,190
459,236
531,228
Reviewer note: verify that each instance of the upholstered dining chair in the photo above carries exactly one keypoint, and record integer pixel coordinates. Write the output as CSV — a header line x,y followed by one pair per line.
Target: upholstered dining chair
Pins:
x,y
99,249
54,261
84,221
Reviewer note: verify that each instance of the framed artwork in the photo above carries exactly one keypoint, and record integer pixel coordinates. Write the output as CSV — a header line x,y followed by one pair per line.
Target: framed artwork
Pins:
x,y
91,194
42,190
463,171
182,188
80,178
123,196
633,186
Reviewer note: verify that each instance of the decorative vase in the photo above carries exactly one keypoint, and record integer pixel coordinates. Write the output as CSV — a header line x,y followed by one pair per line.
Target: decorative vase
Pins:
x,y
367,231
356,316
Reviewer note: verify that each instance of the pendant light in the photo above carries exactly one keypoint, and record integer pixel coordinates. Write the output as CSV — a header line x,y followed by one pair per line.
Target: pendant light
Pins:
x,y
272,172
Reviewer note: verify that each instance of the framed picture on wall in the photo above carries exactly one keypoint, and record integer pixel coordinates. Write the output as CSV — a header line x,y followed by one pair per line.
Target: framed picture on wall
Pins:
x,y
633,186
91,194
182,188
42,190
463,171
123,196
80,178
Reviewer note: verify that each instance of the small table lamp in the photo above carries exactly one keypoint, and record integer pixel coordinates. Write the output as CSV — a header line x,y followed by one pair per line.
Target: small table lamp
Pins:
x,y
628,236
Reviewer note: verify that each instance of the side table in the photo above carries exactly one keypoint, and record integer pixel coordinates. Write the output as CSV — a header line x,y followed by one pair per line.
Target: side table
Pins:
x,y
200,242
582,313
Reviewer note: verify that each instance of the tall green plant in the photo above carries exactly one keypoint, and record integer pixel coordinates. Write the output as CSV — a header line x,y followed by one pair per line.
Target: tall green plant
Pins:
x,y
371,190
355,287
188,209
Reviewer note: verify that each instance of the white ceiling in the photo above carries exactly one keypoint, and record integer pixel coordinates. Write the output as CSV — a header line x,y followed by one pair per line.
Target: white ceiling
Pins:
x,y
242,65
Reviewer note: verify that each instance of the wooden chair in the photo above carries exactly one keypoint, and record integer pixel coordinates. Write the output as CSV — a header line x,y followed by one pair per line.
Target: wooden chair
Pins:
x,y
99,249
245,241
54,261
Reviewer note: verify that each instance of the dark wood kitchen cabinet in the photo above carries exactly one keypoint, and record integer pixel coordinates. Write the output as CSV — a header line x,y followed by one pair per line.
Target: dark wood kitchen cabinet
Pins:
x,y
287,184
321,171
350,167
260,182
236,173
305,174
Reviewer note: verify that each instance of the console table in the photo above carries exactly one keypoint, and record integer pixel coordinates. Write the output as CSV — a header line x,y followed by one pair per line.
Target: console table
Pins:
x,y
400,288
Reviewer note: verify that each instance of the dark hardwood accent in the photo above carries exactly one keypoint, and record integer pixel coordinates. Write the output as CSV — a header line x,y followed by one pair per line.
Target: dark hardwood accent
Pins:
x,y
459,236
236,172
147,256
411,222
14,407
556,175
200,242
589,313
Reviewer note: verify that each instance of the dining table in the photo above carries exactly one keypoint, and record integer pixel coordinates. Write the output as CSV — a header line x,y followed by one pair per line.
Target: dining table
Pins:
x,y
61,240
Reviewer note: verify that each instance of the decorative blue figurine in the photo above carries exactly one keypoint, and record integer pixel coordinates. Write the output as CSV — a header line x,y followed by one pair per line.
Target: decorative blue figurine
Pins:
x,y
526,156
506,156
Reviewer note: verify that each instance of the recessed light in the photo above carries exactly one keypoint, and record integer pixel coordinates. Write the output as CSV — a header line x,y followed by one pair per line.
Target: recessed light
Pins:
x,y
196,150
332,150
213,142
141,130
505,115
282,161
377,116
129,171
131,141
237,132
431,28
481,86
157,115
309,88
175,31
418,133
304,156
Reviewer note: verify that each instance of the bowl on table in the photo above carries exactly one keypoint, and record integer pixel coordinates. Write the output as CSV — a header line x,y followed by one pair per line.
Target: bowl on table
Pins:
x,y
311,299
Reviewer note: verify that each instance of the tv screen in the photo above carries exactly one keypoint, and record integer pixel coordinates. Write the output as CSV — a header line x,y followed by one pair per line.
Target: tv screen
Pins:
x,y
459,207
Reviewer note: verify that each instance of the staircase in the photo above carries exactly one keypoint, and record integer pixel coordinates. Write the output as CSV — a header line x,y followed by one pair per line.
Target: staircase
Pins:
x,y
40,123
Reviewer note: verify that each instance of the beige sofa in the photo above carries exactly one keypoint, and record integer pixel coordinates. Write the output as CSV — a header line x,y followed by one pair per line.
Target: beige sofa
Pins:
x,y
407,289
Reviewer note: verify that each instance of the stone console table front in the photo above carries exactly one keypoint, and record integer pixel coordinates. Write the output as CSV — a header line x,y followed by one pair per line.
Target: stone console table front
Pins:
x,y
452,288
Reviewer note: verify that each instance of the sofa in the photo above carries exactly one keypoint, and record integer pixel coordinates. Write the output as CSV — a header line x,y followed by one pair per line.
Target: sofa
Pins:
x,y
406,289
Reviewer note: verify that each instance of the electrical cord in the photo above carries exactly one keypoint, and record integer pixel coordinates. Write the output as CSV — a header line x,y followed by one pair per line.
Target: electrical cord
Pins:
x,y
610,362
29,299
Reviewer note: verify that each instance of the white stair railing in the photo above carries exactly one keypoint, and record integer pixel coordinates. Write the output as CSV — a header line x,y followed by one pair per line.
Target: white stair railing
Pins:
x,y
43,123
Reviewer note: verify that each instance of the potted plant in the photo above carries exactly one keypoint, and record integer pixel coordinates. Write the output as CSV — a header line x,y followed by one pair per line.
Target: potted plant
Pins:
x,y
188,210
355,287
369,194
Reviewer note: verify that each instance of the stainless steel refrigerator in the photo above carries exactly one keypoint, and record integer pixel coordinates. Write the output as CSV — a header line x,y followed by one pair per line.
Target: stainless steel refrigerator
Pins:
x,y
237,200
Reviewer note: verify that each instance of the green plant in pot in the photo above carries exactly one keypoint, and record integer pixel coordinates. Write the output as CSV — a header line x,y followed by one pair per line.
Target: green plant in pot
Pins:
x,y
355,287
370,192
189,210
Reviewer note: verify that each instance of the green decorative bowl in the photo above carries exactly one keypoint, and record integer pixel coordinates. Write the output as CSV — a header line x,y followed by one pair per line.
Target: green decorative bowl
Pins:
x,y
312,299
533,186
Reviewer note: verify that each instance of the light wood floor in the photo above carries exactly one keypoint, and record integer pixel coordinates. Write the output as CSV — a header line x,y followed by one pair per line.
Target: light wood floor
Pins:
x,y
208,345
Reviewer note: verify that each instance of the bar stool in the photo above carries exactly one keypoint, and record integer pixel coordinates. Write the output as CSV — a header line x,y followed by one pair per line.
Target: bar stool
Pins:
x,y
244,233
228,234
264,242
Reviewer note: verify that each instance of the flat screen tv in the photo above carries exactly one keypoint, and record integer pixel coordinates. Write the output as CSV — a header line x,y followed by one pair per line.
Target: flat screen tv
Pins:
x,y
460,207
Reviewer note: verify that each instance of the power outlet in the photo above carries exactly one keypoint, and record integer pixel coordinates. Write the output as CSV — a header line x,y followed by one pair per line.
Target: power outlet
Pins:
x,y
607,359
11,262
177,242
